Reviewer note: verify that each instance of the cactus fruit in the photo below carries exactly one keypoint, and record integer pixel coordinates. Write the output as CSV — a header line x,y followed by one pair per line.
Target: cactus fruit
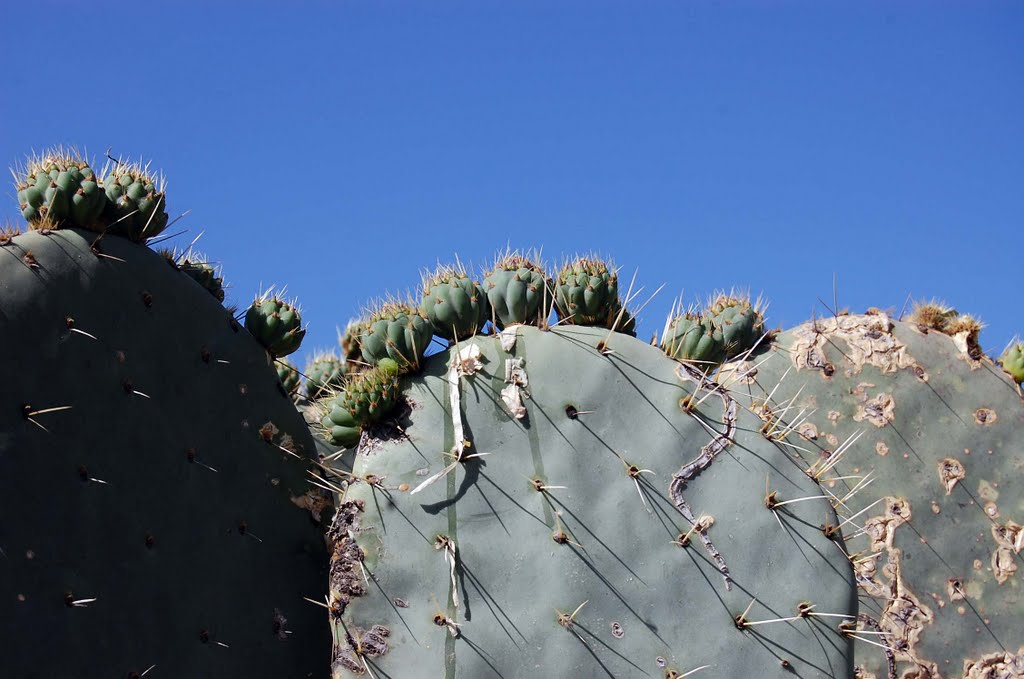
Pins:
x,y
325,374
587,292
569,543
370,395
157,508
351,352
695,338
1012,361
205,274
920,437
289,376
135,202
340,427
742,323
58,189
454,303
397,331
518,291
275,324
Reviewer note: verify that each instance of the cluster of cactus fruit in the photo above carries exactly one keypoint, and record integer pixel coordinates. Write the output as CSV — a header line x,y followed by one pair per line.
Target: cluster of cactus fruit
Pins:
x,y
545,496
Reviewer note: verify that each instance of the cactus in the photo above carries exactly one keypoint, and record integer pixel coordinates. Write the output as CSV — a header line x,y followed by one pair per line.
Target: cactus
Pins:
x,y
1012,361
199,270
518,291
741,322
454,303
351,352
397,331
920,436
324,374
340,426
135,202
692,337
154,477
275,324
587,292
59,189
289,376
558,536
369,396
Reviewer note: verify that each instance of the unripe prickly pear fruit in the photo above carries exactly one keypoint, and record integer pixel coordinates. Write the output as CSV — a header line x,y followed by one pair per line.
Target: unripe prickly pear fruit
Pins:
x,y
288,375
454,303
136,206
1013,362
340,427
519,292
59,189
740,322
691,337
276,324
369,396
587,292
325,374
397,331
351,353
206,275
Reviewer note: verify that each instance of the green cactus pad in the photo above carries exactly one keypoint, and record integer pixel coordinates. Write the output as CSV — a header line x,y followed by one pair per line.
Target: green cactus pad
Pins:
x,y
60,190
929,435
289,376
154,478
136,206
518,291
325,374
369,396
275,324
1012,361
587,292
559,544
454,303
397,331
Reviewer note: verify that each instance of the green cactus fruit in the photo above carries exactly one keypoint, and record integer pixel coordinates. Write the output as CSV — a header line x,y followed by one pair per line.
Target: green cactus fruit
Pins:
x,y
692,337
154,479
606,533
741,323
339,425
275,324
587,292
369,396
1012,361
351,352
454,303
325,374
518,291
397,331
920,439
205,274
136,206
59,189
621,320
288,375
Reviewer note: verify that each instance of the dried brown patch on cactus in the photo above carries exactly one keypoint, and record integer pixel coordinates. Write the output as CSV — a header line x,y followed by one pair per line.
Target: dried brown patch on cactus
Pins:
x,y
808,430
868,340
1004,665
315,501
879,411
882,448
905,616
951,471
985,416
1009,539
359,645
346,573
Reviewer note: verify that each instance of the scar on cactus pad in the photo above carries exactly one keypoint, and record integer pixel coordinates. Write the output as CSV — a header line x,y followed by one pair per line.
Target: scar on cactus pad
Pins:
x,y
275,323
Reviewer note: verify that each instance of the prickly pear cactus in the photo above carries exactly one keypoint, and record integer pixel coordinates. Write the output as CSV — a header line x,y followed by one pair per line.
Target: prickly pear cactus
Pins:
x,y
518,291
571,520
587,292
691,337
324,374
398,332
917,436
154,477
1012,361
454,303
204,274
136,207
289,376
275,323
742,323
60,189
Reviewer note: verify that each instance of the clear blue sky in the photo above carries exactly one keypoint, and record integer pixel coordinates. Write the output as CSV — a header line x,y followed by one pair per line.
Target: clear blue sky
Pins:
x,y
340,147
